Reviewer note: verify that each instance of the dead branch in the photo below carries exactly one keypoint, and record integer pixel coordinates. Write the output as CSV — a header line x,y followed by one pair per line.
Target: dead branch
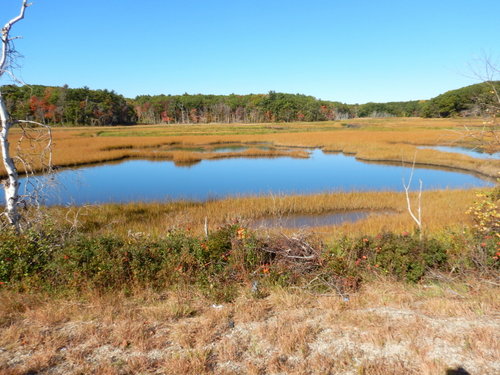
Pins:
x,y
418,217
487,136
25,156
295,252
6,40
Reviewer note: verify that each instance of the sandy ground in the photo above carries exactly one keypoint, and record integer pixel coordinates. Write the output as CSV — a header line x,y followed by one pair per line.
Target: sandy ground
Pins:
x,y
386,328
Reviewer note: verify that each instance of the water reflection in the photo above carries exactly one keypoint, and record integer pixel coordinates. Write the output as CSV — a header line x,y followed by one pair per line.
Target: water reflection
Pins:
x,y
303,221
144,180
224,149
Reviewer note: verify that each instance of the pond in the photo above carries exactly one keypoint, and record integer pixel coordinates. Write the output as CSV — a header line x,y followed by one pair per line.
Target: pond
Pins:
x,y
473,152
306,221
144,180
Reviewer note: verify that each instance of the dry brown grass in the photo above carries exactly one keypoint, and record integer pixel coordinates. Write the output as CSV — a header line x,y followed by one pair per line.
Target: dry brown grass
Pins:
x,y
386,328
441,209
386,140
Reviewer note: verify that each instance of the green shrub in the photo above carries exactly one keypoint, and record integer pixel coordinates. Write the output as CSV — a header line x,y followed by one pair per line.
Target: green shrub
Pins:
x,y
402,255
24,258
229,256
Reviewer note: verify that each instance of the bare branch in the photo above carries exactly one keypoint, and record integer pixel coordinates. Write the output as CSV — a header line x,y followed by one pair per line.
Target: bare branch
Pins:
x,y
74,221
40,143
14,77
487,136
48,146
5,35
416,218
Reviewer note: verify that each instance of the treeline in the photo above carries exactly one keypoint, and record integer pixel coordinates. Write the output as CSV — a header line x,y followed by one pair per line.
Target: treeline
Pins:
x,y
66,106
391,109
253,108
473,100
82,106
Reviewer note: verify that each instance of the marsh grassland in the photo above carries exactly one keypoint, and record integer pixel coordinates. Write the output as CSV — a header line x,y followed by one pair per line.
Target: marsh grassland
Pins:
x,y
188,287
379,140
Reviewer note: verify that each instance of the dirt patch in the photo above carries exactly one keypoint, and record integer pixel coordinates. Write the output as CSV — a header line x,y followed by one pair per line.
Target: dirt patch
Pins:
x,y
383,329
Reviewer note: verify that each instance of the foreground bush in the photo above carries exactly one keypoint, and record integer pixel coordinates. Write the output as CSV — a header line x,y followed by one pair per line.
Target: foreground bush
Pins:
x,y
231,255
402,255
46,260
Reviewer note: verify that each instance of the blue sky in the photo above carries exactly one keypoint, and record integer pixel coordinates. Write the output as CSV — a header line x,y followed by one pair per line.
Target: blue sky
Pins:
x,y
352,51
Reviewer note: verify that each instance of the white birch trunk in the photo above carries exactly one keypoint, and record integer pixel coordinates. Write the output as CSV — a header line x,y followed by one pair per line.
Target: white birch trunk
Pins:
x,y
11,184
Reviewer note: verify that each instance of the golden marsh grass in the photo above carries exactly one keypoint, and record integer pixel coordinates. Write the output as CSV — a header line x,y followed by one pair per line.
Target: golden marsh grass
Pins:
x,y
384,140
441,209
387,140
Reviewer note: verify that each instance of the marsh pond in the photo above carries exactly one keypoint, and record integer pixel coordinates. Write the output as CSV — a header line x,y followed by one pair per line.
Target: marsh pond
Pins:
x,y
145,180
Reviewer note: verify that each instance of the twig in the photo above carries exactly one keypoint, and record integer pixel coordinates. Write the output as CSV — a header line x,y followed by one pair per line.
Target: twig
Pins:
x,y
417,218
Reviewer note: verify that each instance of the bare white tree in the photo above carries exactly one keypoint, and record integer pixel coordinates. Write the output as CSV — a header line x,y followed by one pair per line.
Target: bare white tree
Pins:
x,y
417,217
486,136
22,156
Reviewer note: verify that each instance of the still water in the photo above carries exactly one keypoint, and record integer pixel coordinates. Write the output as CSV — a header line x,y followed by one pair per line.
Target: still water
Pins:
x,y
302,221
143,180
473,152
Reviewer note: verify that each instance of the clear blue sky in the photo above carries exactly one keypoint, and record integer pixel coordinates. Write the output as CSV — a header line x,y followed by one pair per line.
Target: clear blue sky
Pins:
x,y
352,51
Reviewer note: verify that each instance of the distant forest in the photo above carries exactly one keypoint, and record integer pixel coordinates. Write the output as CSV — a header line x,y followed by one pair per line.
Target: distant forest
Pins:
x,y
83,106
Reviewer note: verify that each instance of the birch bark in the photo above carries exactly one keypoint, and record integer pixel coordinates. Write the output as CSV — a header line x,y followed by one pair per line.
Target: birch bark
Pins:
x,y
11,183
